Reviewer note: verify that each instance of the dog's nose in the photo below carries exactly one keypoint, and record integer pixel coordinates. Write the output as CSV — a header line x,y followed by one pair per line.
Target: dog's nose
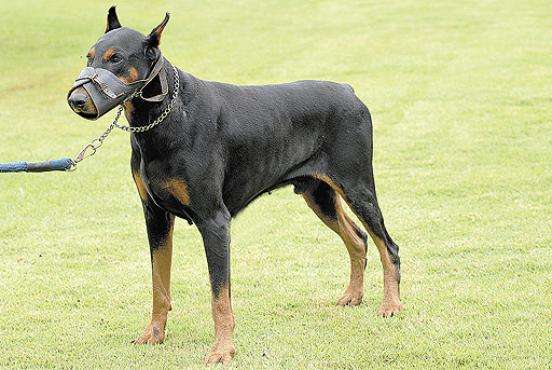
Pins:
x,y
77,100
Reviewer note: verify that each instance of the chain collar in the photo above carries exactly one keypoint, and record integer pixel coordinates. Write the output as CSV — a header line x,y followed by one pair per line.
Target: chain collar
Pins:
x,y
90,149
158,120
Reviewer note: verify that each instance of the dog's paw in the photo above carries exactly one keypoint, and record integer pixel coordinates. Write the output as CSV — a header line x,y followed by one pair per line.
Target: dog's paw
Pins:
x,y
152,335
220,353
350,298
388,309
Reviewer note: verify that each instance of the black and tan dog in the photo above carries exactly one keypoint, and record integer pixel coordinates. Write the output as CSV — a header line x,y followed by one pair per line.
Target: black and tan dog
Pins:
x,y
221,146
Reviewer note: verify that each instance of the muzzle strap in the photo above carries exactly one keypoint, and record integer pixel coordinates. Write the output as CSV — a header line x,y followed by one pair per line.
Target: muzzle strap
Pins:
x,y
106,90
157,71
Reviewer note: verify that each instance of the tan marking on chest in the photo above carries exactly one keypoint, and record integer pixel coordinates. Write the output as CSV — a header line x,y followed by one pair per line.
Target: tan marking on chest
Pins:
x,y
140,186
178,189
129,109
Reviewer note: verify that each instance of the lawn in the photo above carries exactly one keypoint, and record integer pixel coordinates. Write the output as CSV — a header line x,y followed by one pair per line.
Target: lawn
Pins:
x,y
461,97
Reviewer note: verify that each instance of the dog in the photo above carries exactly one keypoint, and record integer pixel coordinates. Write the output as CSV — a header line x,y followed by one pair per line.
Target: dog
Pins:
x,y
218,147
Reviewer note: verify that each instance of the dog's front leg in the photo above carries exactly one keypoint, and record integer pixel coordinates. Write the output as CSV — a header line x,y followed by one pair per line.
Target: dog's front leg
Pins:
x,y
216,238
160,226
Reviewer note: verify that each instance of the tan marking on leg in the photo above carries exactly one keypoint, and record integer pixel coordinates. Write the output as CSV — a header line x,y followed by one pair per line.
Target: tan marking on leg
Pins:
x,y
355,245
179,189
140,186
161,286
223,350
108,54
391,303
357,255
131,76
328,180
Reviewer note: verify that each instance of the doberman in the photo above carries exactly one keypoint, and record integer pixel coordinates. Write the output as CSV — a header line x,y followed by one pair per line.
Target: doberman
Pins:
x,y
220,147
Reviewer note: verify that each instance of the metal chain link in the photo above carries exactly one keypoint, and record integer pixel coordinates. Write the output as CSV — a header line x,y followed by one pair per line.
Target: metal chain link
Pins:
x,y
90,149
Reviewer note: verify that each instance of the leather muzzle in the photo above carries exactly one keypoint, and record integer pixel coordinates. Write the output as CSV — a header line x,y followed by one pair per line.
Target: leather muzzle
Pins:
x,y
107,91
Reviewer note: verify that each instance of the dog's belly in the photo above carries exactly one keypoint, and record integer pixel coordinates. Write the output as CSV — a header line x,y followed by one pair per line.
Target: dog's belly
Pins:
x,y
266,163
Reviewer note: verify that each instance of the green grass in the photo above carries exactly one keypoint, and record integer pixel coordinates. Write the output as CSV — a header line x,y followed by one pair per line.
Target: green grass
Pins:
x,y
461,99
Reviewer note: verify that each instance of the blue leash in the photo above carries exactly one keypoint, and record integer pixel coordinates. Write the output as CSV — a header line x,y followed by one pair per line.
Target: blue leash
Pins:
x,y
63,164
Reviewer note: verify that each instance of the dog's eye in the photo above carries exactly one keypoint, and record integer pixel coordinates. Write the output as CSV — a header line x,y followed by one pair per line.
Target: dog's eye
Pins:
x,y
116,58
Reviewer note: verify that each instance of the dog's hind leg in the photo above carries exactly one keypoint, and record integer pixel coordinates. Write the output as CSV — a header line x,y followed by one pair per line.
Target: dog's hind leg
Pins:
x,y
326,203
361,196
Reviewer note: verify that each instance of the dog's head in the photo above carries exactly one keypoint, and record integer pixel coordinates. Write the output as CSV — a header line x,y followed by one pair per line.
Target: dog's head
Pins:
x,y
117,63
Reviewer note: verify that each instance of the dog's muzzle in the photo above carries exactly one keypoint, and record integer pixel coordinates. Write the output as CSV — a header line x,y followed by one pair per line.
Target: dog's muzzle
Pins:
x,y
106,90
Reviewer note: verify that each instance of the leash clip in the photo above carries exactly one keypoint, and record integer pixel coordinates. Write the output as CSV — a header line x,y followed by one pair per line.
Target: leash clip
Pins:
x,y
88,151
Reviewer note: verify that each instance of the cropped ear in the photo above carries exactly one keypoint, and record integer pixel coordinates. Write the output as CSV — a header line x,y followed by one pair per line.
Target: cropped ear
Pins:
x,y
154,38
112,20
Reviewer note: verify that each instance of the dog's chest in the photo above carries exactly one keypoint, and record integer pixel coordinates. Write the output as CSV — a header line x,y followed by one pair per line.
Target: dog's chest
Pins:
x,y
168,191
